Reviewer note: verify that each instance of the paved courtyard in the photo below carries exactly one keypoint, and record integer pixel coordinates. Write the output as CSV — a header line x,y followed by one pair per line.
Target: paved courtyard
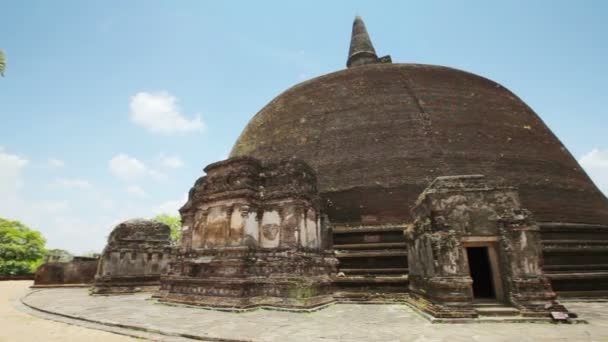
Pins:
x,y
16,325
341,322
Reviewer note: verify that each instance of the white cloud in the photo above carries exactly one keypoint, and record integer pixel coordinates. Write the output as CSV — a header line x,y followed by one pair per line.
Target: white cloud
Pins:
x,y
106,203
136,190
159,113
172,207
81,221
157,175
53,207
595,163
55,163
73,183
11,167
127,168
11,160
172,162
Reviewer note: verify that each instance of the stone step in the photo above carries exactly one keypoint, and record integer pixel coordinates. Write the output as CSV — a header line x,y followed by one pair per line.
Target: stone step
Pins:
x,y
399,270
593,295
489,303
496,311
370,297
370,253
376,245
554,249
367,229
401,279
576,268
577,275
575,242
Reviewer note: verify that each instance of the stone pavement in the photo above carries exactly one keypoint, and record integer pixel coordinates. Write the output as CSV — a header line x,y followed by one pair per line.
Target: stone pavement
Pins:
x,y
16,325
340,322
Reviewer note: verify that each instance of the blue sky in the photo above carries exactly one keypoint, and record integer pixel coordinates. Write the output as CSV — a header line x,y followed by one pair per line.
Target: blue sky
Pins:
x,y
110,109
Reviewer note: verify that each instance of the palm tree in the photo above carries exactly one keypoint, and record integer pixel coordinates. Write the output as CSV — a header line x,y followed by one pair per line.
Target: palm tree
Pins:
x,y
2,63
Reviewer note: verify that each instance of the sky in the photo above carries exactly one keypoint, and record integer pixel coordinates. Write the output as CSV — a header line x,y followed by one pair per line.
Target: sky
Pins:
x,y
109,110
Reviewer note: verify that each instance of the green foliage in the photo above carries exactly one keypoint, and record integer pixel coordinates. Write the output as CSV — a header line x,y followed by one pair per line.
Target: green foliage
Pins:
x,y
21,248
58,255
174,222
12,267
2,63
91,254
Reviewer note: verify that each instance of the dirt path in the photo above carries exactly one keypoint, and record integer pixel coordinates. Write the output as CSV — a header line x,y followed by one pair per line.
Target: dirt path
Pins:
x,y
19,326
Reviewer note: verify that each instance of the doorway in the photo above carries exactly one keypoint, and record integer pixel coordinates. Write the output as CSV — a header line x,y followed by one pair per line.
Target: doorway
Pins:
x,y
480,270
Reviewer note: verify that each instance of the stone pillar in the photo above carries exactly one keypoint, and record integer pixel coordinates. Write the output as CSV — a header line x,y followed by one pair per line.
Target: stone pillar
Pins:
x,y
529,289
439,281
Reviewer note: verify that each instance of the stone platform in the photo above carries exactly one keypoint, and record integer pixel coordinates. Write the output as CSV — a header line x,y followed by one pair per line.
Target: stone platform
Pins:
x,y
339,322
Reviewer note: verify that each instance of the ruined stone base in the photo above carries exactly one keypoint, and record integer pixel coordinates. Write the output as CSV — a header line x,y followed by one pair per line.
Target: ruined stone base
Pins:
x,y
247,293
534,297
449,297
442,297
437,310
125,285
241,279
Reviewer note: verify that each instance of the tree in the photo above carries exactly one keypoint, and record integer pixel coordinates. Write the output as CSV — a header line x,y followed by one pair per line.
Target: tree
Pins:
x,y
91,254
21,248
2,63
174,222
57,255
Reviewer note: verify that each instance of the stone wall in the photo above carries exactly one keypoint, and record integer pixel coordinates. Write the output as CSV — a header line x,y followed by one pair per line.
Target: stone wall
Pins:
x,y
137,253
78,271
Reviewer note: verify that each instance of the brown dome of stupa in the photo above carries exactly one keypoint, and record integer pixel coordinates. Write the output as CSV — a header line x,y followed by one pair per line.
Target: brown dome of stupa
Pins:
x,y
378,133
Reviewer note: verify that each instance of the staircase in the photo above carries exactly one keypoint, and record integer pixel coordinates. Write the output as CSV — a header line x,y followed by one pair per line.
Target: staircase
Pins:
x,y
373,261
494,309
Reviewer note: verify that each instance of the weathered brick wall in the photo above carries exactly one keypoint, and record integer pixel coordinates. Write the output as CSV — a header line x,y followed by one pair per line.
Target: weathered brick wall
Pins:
x,y
378,134
65,273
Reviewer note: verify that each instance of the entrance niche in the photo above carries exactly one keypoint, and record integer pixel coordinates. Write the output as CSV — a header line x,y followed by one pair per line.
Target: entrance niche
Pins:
x,y
471,241
481,272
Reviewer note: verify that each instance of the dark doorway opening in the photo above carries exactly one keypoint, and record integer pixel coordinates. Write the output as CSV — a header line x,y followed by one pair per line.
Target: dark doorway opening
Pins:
x,y
481,272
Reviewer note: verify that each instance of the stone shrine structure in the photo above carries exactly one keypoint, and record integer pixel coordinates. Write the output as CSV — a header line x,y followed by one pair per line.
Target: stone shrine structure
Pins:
x,y
253,234
471,240
137,253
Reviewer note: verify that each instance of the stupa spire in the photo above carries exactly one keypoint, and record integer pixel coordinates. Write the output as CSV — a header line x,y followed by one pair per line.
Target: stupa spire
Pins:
x,y
361,48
